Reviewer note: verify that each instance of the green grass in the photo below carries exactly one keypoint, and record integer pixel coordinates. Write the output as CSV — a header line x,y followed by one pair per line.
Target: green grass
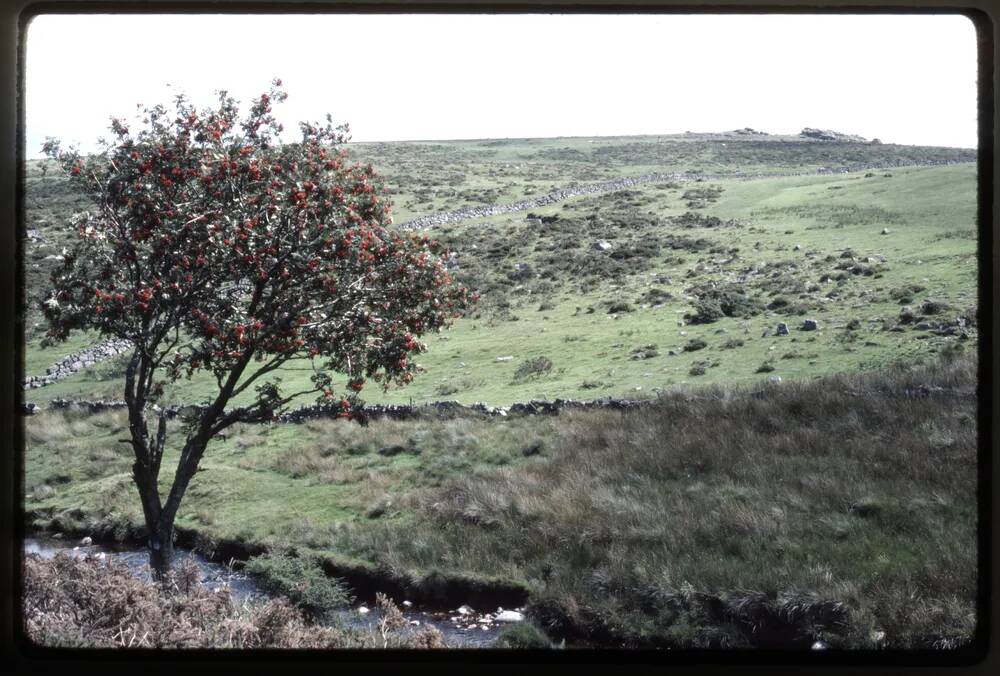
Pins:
x,y
264,482
789,232
623,526
462,362
920,204
718,517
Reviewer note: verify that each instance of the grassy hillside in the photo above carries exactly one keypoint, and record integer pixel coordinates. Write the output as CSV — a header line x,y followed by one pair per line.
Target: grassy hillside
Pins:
x,y
861,254
736,509
841,510
444,175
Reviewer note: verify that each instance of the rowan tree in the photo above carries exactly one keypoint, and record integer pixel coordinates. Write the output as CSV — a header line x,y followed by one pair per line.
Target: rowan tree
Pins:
x,y
212,246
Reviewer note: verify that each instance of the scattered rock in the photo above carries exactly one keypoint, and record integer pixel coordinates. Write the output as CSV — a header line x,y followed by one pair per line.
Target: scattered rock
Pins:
x,y
87,541
508,358
782,329
509,616
602,245
810,325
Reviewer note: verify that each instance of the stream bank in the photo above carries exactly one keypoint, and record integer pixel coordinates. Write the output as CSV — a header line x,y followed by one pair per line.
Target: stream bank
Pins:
x,y
467,625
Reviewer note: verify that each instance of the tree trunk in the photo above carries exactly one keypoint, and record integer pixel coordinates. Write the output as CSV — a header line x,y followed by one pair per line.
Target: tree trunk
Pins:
x,y
161,548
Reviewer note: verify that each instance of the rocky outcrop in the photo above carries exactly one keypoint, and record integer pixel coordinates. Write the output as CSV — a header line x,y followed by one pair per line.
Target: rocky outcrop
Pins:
x,y
830,135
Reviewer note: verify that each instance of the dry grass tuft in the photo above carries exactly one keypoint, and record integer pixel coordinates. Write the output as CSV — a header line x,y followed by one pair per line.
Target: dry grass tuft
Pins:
x,y
834,500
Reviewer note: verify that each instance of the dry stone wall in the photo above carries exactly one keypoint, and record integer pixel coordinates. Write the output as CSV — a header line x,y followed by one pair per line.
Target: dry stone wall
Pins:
x,y
372,411
466,213
78,361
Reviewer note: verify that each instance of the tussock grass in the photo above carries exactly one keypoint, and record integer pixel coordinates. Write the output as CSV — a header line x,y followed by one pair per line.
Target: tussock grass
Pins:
x,y
773,514
768,515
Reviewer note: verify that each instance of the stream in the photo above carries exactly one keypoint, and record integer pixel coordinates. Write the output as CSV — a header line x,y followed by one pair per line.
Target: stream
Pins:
x,y
463,627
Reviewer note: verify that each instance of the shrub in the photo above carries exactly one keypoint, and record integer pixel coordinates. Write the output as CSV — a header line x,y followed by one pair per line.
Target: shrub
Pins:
x,y
706,311
646,352
690,219
695,344
619,307
655,296
522,635
933,307
302,581
534,448
533,368
446,389
904,294
715,302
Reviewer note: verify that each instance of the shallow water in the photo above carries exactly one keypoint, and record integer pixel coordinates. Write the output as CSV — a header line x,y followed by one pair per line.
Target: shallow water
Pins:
x,y
471,630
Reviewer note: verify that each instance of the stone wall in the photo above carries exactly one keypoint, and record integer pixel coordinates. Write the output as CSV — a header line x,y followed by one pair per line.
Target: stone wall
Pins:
x,y
78,361
466,213
373,411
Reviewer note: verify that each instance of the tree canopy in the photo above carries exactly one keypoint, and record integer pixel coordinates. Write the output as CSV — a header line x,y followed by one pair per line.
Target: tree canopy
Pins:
x,y
212,246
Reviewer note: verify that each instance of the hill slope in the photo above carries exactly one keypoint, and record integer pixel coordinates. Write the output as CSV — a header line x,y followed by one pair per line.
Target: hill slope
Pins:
x,y
659,285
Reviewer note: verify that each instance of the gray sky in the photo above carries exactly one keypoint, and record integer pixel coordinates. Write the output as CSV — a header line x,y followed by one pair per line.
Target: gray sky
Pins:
x,y
904,79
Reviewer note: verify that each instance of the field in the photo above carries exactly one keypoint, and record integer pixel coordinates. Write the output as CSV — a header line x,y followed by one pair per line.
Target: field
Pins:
x,y
777,489
770,250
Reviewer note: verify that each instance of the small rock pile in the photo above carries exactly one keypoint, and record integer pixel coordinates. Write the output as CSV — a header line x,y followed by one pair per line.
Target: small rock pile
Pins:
x,y
465,618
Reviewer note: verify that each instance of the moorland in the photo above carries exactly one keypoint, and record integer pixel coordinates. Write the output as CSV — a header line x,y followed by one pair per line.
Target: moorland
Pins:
x,y
798,317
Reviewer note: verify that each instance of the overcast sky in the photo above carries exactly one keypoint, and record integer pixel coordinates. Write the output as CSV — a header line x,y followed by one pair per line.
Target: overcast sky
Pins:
x,y
904,79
